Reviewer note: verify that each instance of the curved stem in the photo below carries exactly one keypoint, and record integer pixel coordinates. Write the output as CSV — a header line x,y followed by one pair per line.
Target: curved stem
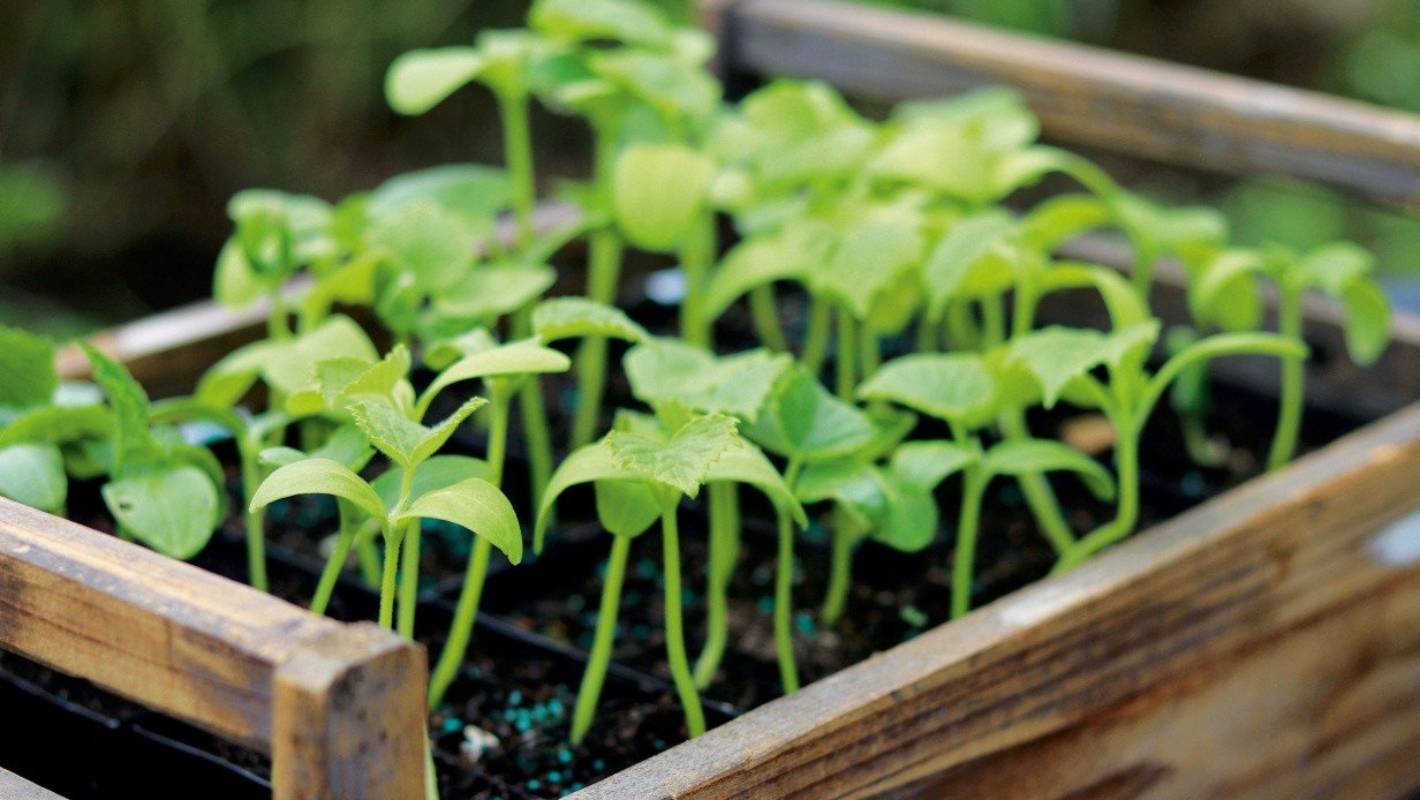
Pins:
x,y
537,435
1290,399
764,312
846,368
840,575
784,606
1126,461
675,637
722,545
325,587
964,559
600,657
816,337
1040,497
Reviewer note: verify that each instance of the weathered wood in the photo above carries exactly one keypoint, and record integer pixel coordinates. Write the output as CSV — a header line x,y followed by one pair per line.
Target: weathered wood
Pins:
x,y
1085,95
1264,645
214,652
13,787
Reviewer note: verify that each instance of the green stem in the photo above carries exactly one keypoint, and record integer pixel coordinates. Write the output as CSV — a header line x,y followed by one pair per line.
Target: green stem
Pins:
x,y
722,545
255,520
600,657
431,778
1126,463
846,370
517,151
927,341
993,321
764,311
1196,440
409,579
1289,413
784,606
537,435
367,556
471,593
390,579
964,559
961,328
840,575
816,337
675,638
278,327
1040,497
603,274
697,254
331,572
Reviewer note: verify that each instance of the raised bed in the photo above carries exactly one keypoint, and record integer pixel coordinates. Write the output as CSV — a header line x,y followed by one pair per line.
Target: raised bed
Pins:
x,y
1264,644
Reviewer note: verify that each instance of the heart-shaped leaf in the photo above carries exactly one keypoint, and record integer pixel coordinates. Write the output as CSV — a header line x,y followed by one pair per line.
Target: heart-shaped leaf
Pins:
x,y
658,192
318,476
958,387
574,317
803,420
662,370
474,504
681,462
33,474
172,510
404,441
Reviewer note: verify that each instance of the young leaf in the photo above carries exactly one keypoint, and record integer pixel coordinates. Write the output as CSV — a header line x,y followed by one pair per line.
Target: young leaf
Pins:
x,y
662,370
958,387
318,476
910,523
592,463
289,367
436,473
573,317
681,462
421,79
742,462
583,20
404,441
424,240
130,408
802,419
870,255
494,290
474,192
58,425
926,463
1056,356
850,483
1226,293
961,265
526,357
1034,456
172,509
783,255
658,192
27,362
1367,320
33,474
476,505
626,508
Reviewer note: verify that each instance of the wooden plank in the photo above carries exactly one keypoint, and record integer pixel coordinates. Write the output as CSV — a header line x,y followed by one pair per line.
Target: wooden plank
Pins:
x,y
202,648
1084,95
1264,645
13,787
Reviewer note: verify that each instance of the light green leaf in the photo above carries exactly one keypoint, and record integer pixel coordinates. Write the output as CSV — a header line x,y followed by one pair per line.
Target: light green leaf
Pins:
x,y
661,370
965,263
582,20
681,92
422,239
235,284
851,484
1334,267
910,523
474,192
742,462
926,463
421,79
318,476
476,505
658,192
870,256
572,317
289,367
1056,356
1034,456
684,460
494,290
1226,293
626,508
404,441
802,419
526,357
589,464
436,473
58,425
760,260
1367,320
173,510
130,408
958,387
1060,219
33,474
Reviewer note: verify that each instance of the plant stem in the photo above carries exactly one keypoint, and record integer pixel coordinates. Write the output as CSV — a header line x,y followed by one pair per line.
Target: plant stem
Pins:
x,y
993,321
368,556
409,579
964,559
722,545
840,573
697,255
471,593
1126,464
388,582
675,638
600,657
255,520
816,337
331,572
784,606
764,311
1289,412
961,328
927,341
537,435
278,327
603,275
517,151
1040,497
846,370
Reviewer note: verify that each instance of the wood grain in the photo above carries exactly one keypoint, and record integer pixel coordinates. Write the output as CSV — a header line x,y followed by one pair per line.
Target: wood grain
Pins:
x,y
13,787
219,654
1084,95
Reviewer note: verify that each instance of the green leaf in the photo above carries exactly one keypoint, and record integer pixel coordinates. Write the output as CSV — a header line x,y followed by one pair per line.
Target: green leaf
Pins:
x,y
1034,456
1226,293
663,369
958,387
58,425
173,510
803,420
130,407
589,464
318,476
626,508
1334,267
404,441
421,79
684,460
965,263
427,242
744,463
1056,356
926,463
33,474
1367,320
477,505
436,473
526,357
760,260
290,367
869,257
1060,219
658,193
681,92
235,284
494,290
910,523
474,192
572,317
583,20
852,484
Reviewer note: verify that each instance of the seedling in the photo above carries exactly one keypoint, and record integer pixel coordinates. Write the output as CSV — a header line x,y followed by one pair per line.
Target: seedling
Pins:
x,y
1225,294
641,472
277,234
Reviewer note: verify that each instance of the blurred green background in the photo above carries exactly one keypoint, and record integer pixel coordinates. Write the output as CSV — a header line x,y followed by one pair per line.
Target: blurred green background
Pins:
x,y
125,126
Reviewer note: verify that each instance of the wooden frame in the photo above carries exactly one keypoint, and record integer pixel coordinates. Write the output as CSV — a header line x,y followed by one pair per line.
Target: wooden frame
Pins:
x,y
1263,645
339,707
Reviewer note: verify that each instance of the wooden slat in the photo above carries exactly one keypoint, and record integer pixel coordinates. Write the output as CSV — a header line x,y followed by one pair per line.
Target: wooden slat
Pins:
x,y
1084,95
1264,645
13,787
206,649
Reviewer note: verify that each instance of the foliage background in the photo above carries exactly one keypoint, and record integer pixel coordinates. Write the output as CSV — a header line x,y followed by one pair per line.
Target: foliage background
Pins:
x,y
126,125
